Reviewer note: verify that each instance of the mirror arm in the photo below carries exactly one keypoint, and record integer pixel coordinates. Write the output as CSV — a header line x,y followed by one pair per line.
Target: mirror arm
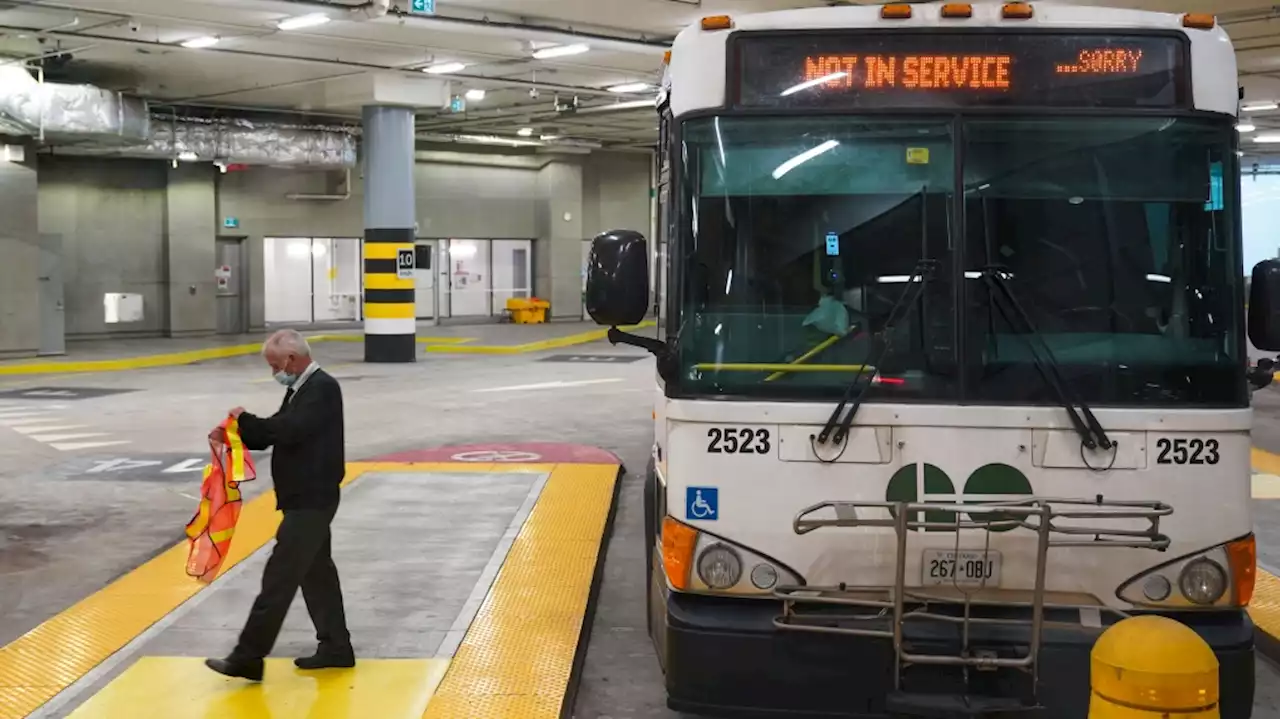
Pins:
x,y
659,349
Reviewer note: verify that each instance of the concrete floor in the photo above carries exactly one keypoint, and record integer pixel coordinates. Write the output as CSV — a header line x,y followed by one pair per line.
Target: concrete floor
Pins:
x,y
73,520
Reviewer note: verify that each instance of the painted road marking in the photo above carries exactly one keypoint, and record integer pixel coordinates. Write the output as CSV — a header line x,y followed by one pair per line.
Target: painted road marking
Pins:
x,y
73,446
66,437
496,456
43,426
548,385
1266,486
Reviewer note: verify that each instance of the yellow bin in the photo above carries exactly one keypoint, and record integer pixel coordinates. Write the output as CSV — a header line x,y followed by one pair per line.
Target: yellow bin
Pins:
x,y
528,312
1152,667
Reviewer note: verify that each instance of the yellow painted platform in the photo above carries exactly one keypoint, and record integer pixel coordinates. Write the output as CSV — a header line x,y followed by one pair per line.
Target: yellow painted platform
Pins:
x,y
515,661
184,688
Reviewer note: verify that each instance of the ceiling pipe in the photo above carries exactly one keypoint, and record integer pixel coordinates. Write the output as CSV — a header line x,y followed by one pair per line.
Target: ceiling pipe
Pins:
x,y
514,30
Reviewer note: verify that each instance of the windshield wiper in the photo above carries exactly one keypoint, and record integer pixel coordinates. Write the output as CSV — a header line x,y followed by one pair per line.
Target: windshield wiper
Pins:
x,y
907,301
1092,435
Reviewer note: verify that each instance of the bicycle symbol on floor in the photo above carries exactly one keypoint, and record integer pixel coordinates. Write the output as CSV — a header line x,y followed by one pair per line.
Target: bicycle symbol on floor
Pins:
x,y
700,502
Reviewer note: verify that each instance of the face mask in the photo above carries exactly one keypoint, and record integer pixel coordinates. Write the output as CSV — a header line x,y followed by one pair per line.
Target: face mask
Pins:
x,y
285,378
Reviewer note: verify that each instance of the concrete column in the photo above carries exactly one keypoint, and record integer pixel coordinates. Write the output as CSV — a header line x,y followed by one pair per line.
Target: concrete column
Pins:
x,y
390,328
191,231
560,236
20,250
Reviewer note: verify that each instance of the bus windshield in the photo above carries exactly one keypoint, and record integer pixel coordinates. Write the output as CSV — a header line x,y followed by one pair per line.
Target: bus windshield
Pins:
x,y
798,236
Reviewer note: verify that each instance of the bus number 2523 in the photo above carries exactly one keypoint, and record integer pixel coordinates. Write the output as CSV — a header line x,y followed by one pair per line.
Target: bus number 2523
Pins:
x,y
738,440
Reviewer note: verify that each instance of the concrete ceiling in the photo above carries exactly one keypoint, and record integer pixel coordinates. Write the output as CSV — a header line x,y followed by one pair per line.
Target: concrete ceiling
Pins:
x,y
135,45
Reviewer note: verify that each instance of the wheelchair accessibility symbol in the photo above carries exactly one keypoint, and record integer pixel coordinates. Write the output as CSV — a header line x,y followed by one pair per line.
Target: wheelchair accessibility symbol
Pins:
x,y
701,503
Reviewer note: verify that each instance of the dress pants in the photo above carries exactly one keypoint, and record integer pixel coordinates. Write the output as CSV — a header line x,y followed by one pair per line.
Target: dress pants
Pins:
x,y
302,557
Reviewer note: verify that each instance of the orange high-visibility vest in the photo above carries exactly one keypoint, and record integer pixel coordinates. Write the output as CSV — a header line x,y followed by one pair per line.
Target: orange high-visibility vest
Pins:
x,y
211,529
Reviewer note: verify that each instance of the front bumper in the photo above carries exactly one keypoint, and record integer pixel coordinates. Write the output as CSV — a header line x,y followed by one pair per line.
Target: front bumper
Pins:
x,y
724,657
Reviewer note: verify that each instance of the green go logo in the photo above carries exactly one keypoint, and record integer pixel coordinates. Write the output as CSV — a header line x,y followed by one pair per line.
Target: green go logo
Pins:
x,y
992,482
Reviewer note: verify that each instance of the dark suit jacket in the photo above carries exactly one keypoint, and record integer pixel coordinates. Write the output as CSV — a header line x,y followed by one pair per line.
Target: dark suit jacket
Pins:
x,y
308,463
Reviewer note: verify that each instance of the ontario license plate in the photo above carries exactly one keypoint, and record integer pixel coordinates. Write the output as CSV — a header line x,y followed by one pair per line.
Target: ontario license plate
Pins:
x,y
963,568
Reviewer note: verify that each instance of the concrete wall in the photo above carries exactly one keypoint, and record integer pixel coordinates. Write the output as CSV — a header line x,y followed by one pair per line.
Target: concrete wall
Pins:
x,y
110,215
19,271
145,227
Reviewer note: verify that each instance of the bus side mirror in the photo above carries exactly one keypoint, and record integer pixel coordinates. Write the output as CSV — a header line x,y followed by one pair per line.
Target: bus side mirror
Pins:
x,y
1264,306
618,278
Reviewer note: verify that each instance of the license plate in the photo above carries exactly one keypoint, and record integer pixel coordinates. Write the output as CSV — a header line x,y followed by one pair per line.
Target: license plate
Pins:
x,y
963,568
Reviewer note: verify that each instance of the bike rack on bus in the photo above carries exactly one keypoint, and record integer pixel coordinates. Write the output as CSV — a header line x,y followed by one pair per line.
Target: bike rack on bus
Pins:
x,y
1047,517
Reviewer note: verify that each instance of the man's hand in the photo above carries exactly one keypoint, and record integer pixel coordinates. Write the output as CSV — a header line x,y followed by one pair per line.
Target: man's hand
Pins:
x,y
235,413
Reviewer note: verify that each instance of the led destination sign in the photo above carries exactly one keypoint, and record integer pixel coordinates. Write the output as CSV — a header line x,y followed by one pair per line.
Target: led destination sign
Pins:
x,y
914,70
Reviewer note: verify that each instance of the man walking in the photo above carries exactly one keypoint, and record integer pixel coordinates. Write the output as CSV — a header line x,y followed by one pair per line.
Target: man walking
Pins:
x,y
307,468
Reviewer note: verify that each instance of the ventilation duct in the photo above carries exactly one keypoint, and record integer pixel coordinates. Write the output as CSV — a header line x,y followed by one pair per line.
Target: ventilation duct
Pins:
x,y
76,114
248,141
87,120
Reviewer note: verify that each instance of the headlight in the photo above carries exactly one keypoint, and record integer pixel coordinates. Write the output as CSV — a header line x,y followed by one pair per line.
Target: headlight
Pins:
x,y
695,561
1218,577
719,567
1203,581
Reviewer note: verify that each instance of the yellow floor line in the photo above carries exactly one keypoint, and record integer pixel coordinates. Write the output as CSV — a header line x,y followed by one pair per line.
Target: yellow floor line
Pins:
x,y
1265,607
457,345
539,346
516,660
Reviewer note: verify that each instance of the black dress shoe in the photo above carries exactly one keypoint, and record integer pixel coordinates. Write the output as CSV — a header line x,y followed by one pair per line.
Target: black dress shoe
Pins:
x,y
328,659
240,669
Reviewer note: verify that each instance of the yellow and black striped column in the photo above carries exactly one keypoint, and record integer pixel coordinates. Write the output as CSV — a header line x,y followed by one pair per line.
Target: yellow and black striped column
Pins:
x,y
390,329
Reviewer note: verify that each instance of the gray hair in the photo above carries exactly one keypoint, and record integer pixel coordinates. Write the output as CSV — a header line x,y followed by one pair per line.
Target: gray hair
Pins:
x,y
288,342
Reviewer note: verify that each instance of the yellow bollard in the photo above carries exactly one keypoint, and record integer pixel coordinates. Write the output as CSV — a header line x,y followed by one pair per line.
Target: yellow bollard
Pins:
x,y
1150,666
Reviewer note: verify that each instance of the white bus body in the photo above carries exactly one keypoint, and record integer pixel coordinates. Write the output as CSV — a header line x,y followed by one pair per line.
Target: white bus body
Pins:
x,y
735,470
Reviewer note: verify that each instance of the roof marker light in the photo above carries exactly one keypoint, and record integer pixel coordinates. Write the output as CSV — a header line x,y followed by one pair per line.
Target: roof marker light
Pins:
x,y
957,10
1017,11
1199,21
666,58
302,21
717,22
895,12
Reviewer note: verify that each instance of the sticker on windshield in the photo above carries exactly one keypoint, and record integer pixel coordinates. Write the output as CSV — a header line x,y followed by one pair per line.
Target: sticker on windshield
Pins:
x,y
917,155
833,244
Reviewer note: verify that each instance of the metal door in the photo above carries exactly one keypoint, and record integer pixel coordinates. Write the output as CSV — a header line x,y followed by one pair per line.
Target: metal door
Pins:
x,y
230,286
424,280
53,337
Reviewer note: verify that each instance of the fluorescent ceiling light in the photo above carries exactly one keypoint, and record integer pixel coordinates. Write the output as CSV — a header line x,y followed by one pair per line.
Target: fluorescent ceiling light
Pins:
x,y
813,83
1159,278
188,156
1267,139
560,51
897,279
1246,127
632,87
525,132
297,23
475,94
1261,107
495,140
804,157
445,68
196,43
549,138
629,105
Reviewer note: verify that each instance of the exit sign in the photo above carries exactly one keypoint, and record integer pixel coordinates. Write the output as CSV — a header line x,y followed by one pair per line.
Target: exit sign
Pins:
x,y
423,7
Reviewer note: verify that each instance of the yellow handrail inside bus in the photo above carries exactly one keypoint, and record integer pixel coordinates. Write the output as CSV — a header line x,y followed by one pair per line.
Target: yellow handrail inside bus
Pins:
x,y
805,357
779,367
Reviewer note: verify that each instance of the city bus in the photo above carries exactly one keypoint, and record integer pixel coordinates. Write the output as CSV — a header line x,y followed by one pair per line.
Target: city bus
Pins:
x,y
951,358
